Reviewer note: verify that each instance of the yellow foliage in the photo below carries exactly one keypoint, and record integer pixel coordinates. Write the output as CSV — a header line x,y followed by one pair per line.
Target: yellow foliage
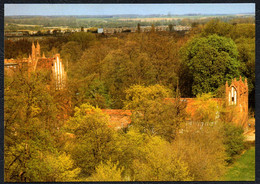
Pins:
x,y
107,172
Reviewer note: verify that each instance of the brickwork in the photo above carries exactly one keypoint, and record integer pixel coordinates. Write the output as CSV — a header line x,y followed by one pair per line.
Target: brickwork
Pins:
x,y
237,100
118,118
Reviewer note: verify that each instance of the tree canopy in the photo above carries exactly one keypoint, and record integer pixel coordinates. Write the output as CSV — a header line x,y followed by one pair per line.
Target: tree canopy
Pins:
x,y
211,61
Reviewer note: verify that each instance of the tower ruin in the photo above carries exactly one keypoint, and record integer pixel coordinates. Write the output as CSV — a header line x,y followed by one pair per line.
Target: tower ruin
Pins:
x,y
237,97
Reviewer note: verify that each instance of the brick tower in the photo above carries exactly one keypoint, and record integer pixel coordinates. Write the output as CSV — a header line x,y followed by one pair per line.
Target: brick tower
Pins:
x,y
237,97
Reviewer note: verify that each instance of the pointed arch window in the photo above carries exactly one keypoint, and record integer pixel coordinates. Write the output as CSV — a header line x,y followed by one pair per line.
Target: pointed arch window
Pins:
x,y
232,96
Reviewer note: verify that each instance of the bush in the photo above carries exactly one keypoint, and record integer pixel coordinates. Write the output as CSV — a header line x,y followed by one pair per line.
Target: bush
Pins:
x,y
233,140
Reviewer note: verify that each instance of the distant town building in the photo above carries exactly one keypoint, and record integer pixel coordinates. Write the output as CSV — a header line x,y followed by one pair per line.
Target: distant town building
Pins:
x,y
100,30
182,28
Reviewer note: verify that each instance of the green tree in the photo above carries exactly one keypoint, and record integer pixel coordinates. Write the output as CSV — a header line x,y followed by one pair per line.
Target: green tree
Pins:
x,y
149,158
98,94
52,167
246,56
30,125
233,140
159,163
93,137
153,113
210,61
107,172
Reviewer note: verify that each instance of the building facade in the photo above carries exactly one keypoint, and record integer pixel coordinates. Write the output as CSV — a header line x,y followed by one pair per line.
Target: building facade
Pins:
x,y
36,62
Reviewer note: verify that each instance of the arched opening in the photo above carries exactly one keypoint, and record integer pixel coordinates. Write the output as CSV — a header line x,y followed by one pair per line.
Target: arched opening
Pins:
x,y
232,96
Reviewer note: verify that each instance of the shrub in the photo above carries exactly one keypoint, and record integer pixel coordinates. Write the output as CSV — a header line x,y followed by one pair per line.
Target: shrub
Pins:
x,y
233,140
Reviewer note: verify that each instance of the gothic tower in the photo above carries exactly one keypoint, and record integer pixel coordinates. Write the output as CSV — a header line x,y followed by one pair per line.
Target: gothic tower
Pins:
x,y
237,97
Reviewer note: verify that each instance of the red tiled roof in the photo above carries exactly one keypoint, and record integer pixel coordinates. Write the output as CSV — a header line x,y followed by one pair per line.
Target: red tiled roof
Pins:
x,y
118,118
44,63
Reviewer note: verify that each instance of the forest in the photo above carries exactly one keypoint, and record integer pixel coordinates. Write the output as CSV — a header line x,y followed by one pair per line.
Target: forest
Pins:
x,y
63,135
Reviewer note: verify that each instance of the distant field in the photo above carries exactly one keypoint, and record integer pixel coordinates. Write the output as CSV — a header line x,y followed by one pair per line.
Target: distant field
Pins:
x,y
243,169
151,19
148,19
27,25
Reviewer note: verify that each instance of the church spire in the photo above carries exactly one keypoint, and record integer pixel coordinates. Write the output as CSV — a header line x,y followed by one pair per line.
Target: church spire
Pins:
x,y
38,50
30,58
33,51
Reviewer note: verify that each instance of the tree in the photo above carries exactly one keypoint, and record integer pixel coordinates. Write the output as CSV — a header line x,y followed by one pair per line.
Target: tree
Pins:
x,y
107,172
246,56
15,48
152,28
210,61
30,125
160,163
83,38
71,52
218,27
243,30
93,137
98,94
201,147
153,113
170,27
138,28
206,109
52,167
149,158
233,140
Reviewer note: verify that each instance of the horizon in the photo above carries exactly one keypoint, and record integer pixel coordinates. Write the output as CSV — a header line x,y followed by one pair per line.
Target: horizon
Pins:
x,y
127,9
191,14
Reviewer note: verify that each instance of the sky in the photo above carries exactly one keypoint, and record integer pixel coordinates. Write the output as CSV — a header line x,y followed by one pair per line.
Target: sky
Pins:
x,y
116,9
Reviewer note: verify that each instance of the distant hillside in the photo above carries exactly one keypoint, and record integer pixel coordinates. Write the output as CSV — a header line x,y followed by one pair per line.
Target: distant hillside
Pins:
x,y
116,21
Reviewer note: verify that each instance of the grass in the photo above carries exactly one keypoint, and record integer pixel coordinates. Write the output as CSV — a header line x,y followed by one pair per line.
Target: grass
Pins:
x,y
243,169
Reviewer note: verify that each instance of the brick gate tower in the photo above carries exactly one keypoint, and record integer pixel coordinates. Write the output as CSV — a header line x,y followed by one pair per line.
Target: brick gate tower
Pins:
x,y
237,97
